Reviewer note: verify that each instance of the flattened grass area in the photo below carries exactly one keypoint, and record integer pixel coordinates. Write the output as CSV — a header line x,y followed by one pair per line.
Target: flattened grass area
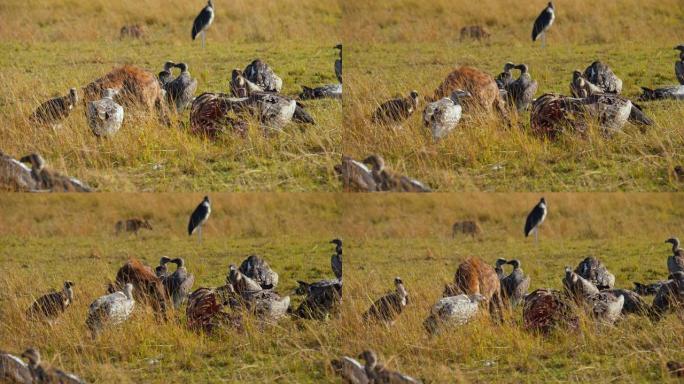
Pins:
x,y
414,45
47,239
65,46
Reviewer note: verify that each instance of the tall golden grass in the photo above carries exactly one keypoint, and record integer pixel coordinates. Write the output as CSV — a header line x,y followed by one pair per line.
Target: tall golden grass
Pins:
x,y
49,238
400,46
52,46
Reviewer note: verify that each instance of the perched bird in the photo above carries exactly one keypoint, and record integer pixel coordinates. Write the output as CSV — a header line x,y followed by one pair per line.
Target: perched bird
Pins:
x,y
241,283
543,23
603,77
261,74
111,309
350,370
675,262
633,304
273,110
51,305
181,90
675,92
679,65
516,284
199,216
670,296
389,306
179,284
521,91
240,86
166,76
443,115
322,297
336,259
504,78
162,271
606,307
595,272
453,311
580,87
649,289
332,91
535,219
379,374
17,177
203,21
498,267
105,115
548,309
396,110
49,180
388,181
338,64
258,270
578,287
355,176
14,370
47,375
54,111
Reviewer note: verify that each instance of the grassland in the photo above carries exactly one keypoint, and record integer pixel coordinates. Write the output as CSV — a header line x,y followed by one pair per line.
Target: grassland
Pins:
x,y
414,45
46,239
52,46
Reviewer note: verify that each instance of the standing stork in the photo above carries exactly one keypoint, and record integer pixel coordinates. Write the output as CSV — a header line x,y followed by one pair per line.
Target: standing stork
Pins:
x,y
543,23
203,21
535,219
338,64
199,217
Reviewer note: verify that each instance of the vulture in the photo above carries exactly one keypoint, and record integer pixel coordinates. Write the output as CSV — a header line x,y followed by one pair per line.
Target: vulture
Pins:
x,y
674,92
389,181
14,370
452,310
388,307
105,115
670,296
603,77
597,273
46,179
179,284
355,176
322,297
54,111
258,270
504,78
112,309
51,305
379,374
679,65
521,90
338,64
263,76
675,262
166,76
516,284
350,370
443,115
41,374
181,90
15,176
396,110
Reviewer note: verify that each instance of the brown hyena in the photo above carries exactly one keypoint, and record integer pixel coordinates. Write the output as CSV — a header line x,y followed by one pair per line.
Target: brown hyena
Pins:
x,y
475,32
485,96
134,31
467,227
132,225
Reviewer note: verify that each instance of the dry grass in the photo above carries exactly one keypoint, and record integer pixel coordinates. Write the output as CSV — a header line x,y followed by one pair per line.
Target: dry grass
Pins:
x,y
47,239
414,45
53,46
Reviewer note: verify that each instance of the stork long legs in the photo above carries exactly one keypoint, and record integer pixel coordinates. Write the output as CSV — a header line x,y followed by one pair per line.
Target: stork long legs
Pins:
x,y
543,39
536,234
204,34
199,233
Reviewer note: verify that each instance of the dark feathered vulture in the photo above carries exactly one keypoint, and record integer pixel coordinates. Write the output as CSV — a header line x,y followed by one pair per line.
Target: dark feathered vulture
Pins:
x,y
603,77
53,304
596,272
53,111
179,284
679,64
166,76
521,91
203,21
543,23
181,90
338,64
535,219
14,370
396,110
504,78
516,284
199,216
42,375
49,180
257,269
670,296
355,176
336,259
675,262
389,306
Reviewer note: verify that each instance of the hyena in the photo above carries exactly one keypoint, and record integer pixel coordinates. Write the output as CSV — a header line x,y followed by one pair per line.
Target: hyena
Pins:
x,y
468,227
132,225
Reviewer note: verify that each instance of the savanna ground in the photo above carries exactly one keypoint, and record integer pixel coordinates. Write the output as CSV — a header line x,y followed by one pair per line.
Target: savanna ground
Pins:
x,y
47,239
51,46
398,46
